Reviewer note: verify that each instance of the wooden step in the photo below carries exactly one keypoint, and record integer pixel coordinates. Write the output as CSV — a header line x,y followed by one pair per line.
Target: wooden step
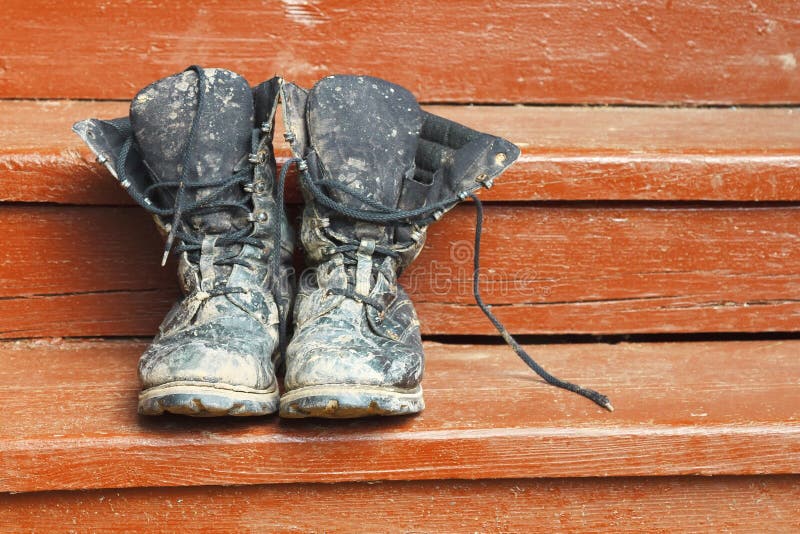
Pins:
x,y
551,267
507,51
711,408
94,271
662,504
568,153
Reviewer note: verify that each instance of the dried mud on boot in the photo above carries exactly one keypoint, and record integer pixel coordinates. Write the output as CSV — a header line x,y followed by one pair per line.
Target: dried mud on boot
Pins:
x,y
375,171
196,152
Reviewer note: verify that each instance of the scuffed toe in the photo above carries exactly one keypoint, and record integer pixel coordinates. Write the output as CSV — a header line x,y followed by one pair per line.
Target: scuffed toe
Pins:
x,y
201,362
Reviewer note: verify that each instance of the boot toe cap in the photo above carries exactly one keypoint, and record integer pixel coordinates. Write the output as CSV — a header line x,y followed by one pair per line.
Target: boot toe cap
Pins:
x,y
203,362
354,361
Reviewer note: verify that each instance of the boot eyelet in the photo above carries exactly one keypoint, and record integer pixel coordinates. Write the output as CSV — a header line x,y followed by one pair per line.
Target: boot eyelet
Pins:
x,y
258,158
484,180
259,217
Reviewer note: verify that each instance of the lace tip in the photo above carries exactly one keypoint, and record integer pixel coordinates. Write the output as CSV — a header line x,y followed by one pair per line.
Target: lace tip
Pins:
x,y
168,246
607,405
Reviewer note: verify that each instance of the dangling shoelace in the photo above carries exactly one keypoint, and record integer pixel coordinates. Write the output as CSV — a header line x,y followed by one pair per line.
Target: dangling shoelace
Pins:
x,y
423,216
594,396
182,207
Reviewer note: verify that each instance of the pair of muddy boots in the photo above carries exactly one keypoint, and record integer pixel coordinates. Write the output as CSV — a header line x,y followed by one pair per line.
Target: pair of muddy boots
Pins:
x,y
375,170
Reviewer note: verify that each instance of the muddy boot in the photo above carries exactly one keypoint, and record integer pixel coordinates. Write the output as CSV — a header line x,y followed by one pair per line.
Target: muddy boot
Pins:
x,y
196,152
376,170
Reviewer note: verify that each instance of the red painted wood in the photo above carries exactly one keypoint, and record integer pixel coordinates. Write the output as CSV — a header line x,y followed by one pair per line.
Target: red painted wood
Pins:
x,y
642,51
102,313
69,420
81,271
568,153
666,504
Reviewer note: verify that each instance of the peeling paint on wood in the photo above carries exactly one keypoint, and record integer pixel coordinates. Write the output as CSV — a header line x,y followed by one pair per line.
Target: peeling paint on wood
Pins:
x,y
597,505
681,408
568,153
589,51
77,271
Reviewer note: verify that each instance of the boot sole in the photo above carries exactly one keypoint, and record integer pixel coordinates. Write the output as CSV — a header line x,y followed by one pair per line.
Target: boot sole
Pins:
x,y
350,401
198,399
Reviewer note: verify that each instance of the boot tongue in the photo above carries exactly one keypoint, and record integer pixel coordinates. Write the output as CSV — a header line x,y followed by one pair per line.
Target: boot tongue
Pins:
x,y
161,117
364,131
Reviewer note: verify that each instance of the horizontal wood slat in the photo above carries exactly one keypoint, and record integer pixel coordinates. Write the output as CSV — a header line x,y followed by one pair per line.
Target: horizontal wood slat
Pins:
x,y
598,505
568,153
69,420
643,51
79,271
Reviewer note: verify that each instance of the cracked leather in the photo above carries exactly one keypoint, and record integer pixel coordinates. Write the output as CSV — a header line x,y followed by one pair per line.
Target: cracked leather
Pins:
x,y
371,136
226,339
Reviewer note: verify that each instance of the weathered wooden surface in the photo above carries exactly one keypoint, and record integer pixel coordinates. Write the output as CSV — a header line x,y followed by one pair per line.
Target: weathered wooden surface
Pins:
x,y
69,420
568,153
87,271
667,504
642,51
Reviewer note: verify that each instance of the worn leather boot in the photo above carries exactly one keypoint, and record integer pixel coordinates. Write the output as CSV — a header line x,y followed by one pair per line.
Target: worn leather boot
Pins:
x,y
376,170
196,152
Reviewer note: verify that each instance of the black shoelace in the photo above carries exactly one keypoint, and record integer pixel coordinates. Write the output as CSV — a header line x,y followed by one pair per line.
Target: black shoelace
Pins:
x,y
594,396
348,251
381,214
183,207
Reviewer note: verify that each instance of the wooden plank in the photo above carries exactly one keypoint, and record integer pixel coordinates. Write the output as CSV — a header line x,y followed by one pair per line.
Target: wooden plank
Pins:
x,y
69,420
644,51
101,313
611,505
80,271
568,153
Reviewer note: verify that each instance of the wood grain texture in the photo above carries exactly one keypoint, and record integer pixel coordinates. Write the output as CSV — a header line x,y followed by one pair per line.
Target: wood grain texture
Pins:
x,y
642,51
661,505
568,153
69,420
94,271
